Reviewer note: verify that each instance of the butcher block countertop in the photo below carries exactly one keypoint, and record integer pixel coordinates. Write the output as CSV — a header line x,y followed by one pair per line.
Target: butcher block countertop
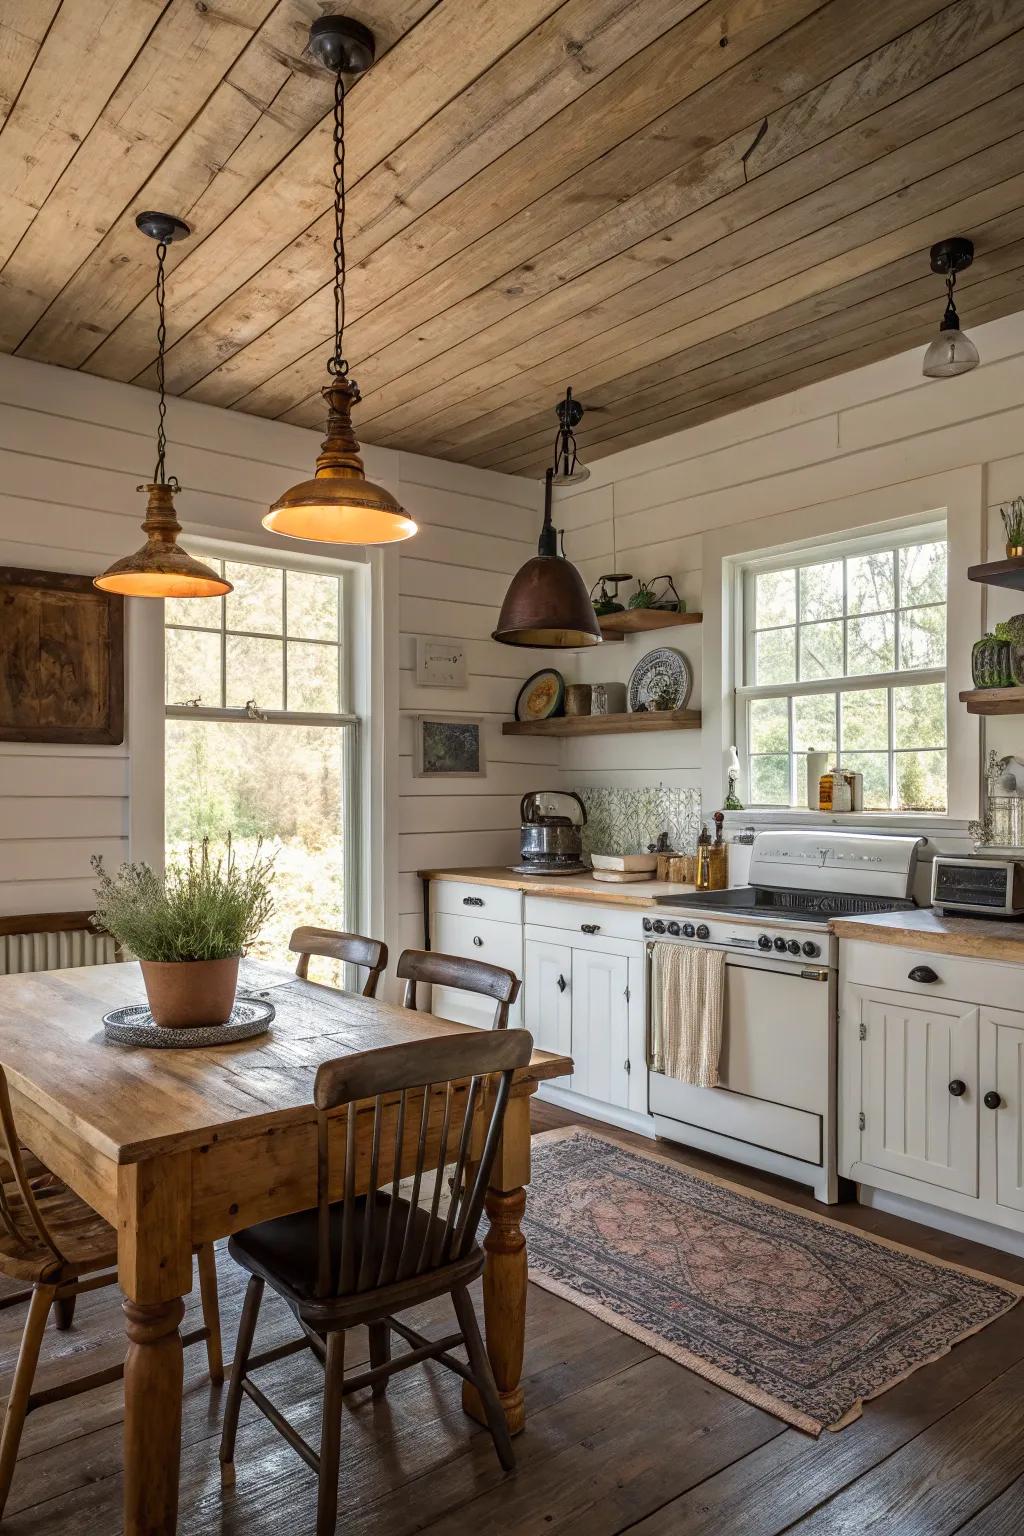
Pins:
x,y
980,938
639,893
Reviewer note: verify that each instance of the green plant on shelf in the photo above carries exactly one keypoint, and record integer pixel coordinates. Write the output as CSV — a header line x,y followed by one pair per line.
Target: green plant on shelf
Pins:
x,y
1013,523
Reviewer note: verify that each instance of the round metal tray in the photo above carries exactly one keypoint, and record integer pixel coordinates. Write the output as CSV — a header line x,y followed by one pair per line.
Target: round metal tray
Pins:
x,y
134,1026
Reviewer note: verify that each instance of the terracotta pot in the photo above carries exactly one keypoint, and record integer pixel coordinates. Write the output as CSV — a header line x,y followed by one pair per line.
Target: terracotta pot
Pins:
x,y
187,994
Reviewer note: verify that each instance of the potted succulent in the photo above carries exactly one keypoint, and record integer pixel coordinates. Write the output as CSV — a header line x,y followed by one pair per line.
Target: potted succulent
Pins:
x,y
187,928
1013,523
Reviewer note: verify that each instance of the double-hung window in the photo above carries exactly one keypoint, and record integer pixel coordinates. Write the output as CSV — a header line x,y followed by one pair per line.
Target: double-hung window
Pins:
x,y
844,652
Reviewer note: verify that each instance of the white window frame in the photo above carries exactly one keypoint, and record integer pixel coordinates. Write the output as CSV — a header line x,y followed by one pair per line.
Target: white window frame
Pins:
x,y
930,531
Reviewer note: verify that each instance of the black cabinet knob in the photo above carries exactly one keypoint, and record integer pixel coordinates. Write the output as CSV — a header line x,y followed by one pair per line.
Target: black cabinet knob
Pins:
x,y
478,941
992,1099
922,973
560,983
590,927
958,1087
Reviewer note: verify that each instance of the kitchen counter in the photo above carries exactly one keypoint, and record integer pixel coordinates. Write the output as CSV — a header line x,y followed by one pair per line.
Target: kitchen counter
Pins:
x,y
981,938
638,893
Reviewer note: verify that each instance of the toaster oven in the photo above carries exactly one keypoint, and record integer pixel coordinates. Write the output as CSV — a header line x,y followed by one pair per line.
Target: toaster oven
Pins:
x,y
990,884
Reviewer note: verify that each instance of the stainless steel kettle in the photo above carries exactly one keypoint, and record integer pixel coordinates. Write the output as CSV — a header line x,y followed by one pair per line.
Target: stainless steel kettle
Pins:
x,y
551,831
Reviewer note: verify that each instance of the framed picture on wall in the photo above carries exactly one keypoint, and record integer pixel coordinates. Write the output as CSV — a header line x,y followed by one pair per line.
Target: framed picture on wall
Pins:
x,y
440,663
449,747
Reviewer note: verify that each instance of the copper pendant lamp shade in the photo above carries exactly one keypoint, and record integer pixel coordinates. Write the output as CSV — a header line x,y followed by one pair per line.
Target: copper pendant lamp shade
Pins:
x,y
547,603
161,568
339,505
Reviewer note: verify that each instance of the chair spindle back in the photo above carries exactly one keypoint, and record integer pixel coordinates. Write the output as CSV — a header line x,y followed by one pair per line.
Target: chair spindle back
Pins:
x,y
437,970
12,1170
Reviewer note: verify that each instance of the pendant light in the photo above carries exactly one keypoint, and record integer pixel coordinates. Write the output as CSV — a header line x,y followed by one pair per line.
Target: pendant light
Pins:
x,y
547,603
339,505
952,351
161,568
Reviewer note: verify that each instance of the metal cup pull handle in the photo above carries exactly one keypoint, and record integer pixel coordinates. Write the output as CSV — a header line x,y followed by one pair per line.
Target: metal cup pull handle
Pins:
x,y
922,973
958,1087
589,927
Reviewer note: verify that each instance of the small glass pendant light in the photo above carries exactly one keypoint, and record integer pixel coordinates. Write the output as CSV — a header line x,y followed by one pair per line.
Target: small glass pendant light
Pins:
x,y
547,602
952,352
339,505
161,568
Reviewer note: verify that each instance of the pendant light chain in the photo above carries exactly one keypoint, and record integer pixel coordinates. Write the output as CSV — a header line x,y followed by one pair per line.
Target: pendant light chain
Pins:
x,y
159,474
338,365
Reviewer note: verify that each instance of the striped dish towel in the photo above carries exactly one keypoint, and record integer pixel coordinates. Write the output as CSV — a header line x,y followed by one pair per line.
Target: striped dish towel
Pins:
x,y
687,998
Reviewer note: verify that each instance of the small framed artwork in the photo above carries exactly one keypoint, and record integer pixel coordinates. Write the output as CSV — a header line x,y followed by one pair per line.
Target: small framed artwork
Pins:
x,y
440,663
449,747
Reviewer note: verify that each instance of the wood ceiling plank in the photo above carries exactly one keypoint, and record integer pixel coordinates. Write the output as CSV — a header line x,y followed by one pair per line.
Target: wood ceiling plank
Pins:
x,y
23,26
432,64
61,100
725,112
902,122
567,55
745,286
500,204
168,83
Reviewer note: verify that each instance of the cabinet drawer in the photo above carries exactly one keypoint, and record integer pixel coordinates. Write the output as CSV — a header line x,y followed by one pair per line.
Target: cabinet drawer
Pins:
x,y
463,898
579,916
888,966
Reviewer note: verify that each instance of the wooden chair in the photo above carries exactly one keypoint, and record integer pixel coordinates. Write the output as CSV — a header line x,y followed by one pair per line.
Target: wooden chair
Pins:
x,y
352,948
363,1259
53,1240
437,970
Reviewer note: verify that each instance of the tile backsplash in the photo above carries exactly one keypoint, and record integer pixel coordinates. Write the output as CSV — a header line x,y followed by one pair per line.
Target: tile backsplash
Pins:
x,y
627,820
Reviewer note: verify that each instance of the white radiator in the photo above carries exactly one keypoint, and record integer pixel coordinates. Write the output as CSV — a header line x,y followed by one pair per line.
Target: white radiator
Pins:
x,y
20,952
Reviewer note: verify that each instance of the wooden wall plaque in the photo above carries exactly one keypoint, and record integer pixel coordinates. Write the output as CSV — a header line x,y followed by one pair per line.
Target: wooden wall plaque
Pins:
x,y
61,659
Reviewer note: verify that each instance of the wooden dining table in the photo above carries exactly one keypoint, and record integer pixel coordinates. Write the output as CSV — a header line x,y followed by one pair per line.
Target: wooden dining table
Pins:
x,y
179,1147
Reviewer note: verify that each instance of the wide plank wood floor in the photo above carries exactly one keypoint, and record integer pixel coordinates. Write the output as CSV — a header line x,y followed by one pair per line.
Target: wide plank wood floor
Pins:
x,y
619,1439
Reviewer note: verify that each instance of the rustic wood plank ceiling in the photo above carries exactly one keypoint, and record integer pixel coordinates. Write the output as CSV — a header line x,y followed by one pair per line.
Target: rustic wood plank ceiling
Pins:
x,y
680,208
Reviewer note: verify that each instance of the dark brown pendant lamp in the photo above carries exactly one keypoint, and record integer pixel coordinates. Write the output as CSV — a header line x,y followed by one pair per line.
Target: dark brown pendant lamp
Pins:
x,y
339,505
547,603
161,568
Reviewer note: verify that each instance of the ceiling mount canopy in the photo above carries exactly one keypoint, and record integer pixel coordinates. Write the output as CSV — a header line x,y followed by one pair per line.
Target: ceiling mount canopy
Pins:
x,y
161,568
547,603
952,352
339,505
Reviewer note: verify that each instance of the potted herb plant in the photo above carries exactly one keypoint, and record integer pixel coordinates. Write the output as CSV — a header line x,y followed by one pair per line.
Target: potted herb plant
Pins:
x,y
188,928
1013,523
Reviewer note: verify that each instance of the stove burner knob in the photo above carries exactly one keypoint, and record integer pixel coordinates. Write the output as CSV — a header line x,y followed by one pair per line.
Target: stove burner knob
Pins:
x,y
658,925
780,945
688,931
674,929
703,931
793,946
811,950
647,925
764,942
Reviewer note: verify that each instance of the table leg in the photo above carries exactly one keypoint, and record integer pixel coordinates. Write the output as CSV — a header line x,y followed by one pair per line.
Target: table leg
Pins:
x,y
155,1270
505,1270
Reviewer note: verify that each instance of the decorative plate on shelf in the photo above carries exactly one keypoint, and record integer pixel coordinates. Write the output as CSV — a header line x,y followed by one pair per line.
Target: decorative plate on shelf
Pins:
x,y
661,670
134,1026
541,696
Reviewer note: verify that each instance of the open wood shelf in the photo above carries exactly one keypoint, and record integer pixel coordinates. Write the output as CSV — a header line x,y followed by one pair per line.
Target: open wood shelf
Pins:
x,y
635,621
994,701
999,573
606,725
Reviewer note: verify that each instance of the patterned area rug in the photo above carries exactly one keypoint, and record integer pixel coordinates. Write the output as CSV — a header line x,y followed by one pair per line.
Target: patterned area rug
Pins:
x,y
792,1311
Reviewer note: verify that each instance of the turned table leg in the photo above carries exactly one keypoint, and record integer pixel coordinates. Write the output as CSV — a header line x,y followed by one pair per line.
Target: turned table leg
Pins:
x,y
505,1270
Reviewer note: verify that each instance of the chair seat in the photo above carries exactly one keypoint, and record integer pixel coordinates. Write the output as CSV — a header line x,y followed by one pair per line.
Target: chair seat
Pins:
x,y
284,1253
86,1241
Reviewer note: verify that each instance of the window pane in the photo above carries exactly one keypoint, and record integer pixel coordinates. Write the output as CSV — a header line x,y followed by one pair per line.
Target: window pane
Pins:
x,y
921,781
775,656
769,725
821,591
865,721
869,645
197,612
875,768
923,637
769,780
254,671
193,667
814,724
313,678
922,574
255,604
870,583
775,602
312,606
821,649
919,716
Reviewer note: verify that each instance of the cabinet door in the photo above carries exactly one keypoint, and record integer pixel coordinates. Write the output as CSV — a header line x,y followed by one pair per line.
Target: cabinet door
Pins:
x,y
913,1123
600,1026
547,998
1009,1114
475,938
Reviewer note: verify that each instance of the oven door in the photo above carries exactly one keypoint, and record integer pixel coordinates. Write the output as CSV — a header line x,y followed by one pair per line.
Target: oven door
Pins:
x,y
776,1064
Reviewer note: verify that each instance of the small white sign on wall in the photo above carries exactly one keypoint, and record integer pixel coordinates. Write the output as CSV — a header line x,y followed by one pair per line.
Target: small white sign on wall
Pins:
x,y
440,663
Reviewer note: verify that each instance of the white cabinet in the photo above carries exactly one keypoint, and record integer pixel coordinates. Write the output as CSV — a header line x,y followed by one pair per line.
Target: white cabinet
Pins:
x,y
547,997
600,1026
476,938
1007,1031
